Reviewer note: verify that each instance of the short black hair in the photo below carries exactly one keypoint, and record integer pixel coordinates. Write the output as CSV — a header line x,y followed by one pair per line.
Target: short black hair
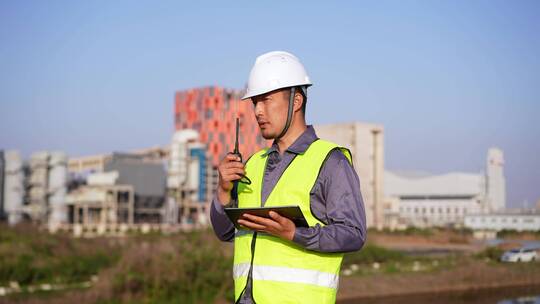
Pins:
x,y
304,99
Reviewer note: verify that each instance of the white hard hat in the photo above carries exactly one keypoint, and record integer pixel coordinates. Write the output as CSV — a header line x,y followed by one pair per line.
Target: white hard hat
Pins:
x,y
275,70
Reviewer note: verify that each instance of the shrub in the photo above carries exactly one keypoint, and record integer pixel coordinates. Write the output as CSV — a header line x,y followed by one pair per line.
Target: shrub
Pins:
x,y
492,253
29,256
190,268
372,253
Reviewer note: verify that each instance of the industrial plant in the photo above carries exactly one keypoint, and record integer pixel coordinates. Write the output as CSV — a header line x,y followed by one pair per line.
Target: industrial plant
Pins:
x,y
170,188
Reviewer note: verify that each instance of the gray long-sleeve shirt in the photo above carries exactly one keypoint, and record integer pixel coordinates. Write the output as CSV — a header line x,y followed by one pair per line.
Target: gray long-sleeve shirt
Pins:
x,y
335,199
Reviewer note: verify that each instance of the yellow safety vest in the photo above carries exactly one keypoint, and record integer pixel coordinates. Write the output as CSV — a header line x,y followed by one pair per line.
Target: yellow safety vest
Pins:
x,y
282,271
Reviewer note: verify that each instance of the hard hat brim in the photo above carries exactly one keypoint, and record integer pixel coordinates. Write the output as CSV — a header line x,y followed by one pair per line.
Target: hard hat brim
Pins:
x,y
248,95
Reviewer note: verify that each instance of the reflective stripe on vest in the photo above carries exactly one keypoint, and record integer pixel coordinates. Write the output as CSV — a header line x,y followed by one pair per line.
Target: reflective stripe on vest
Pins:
x,y
287,274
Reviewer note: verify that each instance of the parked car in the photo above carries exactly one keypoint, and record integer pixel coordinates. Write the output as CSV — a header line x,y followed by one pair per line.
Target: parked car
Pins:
x,y
519,255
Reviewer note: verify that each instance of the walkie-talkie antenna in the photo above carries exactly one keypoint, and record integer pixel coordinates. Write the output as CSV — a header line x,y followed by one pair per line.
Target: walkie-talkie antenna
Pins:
x,y
236,150
244,179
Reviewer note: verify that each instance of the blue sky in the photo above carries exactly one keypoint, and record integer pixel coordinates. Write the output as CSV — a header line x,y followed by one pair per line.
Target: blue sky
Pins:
x,y
447,79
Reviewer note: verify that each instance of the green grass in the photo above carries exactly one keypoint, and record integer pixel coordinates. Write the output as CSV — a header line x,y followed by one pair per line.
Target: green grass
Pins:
x,y
184,267
493,254
193,268
425,232
187,267
513,233
29,256
371,253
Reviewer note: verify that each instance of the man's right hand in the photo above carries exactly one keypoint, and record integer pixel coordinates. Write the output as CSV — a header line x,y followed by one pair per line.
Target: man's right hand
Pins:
x,y
230,169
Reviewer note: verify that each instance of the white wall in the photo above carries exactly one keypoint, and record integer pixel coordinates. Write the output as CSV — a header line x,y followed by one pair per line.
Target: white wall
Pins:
x,y
497,222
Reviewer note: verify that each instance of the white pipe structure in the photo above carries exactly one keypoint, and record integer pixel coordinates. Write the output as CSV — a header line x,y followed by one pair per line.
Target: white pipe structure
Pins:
x,y
38,186
495,181
13,187
57,188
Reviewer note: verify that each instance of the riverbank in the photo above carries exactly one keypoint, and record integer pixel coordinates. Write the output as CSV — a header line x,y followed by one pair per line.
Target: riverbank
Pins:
x,y
471,275
435,262
502,295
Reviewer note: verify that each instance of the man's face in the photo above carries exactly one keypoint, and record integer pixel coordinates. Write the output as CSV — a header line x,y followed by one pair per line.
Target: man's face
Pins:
x,y
271,112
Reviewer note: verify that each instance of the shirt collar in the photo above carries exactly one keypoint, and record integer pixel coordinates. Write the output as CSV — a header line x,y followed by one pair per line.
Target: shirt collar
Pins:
x,y
300,145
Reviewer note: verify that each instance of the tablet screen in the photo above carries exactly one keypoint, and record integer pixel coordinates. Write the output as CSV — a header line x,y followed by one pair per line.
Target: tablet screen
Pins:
x,y
291,212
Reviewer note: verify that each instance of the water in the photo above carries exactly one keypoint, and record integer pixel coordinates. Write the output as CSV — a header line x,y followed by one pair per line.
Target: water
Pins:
x,y
510,295
522,300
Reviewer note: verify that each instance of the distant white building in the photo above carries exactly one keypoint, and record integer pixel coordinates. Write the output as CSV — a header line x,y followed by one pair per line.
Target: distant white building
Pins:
x,y
427,200
504,221
435,200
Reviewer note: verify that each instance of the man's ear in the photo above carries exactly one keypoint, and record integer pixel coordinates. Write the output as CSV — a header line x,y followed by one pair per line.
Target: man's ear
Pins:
x,y
298,101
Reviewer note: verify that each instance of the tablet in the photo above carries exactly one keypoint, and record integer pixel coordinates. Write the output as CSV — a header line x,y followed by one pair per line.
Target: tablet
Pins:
x,y
291,212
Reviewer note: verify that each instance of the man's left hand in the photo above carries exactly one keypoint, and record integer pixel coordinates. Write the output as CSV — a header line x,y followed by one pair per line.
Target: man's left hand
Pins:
x,y
277,225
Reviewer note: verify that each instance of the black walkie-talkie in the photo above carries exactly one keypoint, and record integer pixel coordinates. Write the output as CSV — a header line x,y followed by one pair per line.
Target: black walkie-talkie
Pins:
x,y
244,179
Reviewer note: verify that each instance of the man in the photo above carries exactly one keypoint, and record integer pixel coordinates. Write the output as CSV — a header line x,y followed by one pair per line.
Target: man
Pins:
x,y
274,261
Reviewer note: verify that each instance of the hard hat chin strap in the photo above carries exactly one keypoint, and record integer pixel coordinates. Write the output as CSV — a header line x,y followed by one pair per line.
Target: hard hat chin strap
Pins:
x,y
289,113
